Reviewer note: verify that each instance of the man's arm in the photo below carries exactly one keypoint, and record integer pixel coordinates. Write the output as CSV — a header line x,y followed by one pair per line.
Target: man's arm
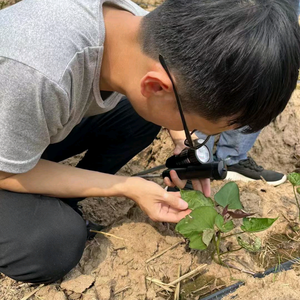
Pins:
x,y
57,180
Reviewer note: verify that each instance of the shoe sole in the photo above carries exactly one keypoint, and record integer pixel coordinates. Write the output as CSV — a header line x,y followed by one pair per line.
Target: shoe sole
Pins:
x,y
237,176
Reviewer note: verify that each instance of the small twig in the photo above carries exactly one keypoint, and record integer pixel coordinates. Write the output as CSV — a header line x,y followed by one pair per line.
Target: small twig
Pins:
x,y
264,180
128,262
287,219
33,292
239,269
164,286
218,287
279,241
163,252
108,234
199,290
112,206
224,237
22,284
229,252
122,290
291,238
240,262
177,290
203,287
190,274
289,256
119,248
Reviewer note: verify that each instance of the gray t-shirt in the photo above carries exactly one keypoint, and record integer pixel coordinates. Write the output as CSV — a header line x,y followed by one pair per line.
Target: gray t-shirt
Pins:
x,y
50,62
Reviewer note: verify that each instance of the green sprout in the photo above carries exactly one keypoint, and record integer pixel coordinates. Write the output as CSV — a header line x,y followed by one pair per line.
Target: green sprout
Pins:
x,y
205,224
294,179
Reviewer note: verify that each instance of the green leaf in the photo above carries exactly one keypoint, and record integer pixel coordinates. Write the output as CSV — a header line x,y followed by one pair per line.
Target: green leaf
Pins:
x,y
229,195
257,224
253,246
294,178
196,241
195,199
298,190
197,221
207,236
224,227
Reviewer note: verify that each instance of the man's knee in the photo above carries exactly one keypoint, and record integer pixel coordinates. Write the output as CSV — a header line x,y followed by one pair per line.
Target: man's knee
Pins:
x,y
48,248
49,255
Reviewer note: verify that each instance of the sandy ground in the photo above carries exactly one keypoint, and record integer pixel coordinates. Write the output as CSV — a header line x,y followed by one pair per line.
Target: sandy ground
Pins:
x,y
115,267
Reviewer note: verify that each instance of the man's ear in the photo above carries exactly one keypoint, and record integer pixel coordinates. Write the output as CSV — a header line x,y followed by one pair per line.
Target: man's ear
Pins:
x,y
155,83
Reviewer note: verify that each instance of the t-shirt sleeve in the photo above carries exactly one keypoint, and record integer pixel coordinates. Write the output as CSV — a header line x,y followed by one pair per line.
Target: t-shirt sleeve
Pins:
x,y
24,119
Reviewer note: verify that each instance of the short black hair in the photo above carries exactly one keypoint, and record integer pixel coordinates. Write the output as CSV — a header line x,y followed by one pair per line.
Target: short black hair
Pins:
x,y
230,58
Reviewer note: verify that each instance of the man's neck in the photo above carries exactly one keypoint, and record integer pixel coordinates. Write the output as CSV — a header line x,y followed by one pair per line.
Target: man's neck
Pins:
x,y
122,53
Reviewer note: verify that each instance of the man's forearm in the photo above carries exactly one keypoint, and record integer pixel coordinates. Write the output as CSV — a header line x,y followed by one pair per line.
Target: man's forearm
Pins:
x,y
57,180
179,135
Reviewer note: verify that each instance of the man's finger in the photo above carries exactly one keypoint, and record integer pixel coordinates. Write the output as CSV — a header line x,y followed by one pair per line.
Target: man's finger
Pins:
x,y
206,187
202,185
175,202
168,182
176,211
176,180
197,185
178,149
175,217
176,194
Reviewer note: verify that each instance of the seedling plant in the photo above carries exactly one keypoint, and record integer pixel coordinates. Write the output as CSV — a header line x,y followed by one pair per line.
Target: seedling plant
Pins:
x,y
211,219
294,179
3,4
293,230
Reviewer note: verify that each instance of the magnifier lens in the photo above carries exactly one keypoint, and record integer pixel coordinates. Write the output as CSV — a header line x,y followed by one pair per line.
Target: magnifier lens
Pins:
x,y
203,154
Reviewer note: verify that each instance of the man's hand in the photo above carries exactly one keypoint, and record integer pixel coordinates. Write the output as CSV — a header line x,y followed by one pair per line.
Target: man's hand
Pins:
x,y
202,185
156,202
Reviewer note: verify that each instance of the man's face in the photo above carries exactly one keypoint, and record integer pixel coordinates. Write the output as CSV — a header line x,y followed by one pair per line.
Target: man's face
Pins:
x,y
208,127
168,116
162,109
201,124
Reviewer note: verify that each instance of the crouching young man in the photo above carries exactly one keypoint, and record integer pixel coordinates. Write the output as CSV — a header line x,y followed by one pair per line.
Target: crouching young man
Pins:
x,y
64,68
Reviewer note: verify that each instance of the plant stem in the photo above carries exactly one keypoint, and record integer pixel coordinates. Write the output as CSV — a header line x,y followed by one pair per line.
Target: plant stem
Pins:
x,y
297,202
218,246
216,240
214,252
213,256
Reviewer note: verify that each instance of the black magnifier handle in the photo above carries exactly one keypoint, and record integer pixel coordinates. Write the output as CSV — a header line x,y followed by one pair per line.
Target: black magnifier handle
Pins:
x,y
214,170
